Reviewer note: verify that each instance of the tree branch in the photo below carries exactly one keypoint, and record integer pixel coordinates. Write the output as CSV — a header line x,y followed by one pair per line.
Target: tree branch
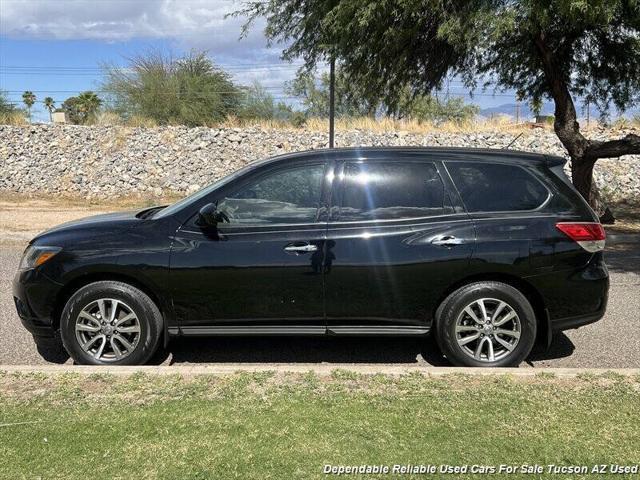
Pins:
x,y
628,145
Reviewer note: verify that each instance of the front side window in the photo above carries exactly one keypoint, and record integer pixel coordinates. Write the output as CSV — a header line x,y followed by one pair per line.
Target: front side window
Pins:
x,y
390,191
284,196
486,187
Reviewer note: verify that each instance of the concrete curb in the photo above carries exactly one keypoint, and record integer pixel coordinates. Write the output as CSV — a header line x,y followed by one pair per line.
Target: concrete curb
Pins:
x,y
318,369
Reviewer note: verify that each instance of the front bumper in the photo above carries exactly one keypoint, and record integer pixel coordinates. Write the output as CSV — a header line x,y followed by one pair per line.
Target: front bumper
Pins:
x,y
34,295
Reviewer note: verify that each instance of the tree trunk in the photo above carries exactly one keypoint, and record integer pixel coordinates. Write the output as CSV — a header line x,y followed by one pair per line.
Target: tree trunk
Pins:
x,y
583,152
582,178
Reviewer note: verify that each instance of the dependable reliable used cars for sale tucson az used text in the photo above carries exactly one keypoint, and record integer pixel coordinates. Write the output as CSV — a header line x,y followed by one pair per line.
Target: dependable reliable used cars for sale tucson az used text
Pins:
x,y
490,251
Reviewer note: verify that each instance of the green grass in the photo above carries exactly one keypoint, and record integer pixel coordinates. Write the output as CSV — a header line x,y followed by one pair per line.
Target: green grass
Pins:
x,y
289,426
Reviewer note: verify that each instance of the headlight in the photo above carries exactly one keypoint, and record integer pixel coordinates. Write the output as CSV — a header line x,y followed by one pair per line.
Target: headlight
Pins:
x,y
34,256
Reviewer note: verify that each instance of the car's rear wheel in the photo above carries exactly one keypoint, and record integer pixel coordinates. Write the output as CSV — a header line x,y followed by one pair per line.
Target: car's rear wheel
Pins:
x,y
110,323
486,324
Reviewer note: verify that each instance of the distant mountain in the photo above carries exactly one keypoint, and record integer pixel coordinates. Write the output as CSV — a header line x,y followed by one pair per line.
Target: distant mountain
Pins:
x,y
510,109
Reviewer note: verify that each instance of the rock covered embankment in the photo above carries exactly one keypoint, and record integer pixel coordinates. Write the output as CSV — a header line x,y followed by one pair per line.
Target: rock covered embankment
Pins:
x,y
108,162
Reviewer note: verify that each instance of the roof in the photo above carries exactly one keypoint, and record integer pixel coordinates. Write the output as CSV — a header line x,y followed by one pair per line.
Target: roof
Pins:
x,y
471,154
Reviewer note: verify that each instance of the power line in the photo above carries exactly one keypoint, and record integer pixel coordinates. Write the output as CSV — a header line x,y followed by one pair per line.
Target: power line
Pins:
x,y
96,71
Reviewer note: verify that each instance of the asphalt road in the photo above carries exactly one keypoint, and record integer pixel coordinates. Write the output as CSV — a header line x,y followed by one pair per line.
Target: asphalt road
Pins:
x,y
613,342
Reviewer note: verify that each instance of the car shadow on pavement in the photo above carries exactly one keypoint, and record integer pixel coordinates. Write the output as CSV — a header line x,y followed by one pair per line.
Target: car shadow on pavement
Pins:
x,y
325,350
297,350
622,254
309,350
561,347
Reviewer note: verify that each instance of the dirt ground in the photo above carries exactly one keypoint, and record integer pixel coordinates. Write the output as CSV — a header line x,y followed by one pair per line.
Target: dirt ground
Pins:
x,y
23,218
21,221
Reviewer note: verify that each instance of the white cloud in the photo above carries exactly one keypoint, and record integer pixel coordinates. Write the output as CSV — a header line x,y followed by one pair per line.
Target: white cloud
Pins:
x,y
117,19
199,24
190,23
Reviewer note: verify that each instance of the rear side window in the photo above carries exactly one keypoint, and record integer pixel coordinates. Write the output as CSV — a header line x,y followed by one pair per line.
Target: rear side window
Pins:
x,y
391,190
496,187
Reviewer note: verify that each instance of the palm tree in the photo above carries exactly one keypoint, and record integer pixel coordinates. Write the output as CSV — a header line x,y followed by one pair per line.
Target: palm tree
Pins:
x,y
88,104
49,104
29,98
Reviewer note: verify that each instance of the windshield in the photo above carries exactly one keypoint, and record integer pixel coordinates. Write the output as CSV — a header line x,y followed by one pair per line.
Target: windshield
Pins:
x,y
180,204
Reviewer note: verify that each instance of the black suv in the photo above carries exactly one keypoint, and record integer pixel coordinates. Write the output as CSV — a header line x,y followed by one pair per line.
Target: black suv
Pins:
x,y
489,250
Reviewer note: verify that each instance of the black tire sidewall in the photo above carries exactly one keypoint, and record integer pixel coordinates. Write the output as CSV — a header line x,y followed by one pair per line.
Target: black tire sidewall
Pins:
x,y
456,302
144,308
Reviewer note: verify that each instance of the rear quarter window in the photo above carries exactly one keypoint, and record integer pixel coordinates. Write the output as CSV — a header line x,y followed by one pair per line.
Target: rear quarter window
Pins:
x,y
486,187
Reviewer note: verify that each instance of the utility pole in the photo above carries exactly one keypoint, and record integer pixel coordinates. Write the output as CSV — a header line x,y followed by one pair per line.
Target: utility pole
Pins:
x,y
332,99
517,112
588,112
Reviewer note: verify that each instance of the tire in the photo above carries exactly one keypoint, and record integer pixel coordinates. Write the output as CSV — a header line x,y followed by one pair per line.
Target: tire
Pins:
x,y
88,319
460,318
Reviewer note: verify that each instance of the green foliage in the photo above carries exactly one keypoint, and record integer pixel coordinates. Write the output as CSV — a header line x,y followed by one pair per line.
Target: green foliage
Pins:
x,y
257,103
314,93
189,90
298,119
83,108
350,101
29,98
385,45
6,106
536,106
49,104
426,108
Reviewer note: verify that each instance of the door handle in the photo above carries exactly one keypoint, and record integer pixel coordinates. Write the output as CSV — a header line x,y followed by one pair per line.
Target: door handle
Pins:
x,y
301,248
447,241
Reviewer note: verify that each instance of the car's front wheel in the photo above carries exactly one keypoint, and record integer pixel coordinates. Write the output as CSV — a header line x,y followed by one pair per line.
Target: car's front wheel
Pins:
x,y
486,324
110,323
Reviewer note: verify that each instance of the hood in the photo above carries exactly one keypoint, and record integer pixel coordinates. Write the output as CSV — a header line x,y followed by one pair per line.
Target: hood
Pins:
x,y
105,222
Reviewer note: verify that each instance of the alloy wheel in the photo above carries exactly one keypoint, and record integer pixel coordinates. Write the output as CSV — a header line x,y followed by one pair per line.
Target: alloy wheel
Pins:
x,y
108,329
488,329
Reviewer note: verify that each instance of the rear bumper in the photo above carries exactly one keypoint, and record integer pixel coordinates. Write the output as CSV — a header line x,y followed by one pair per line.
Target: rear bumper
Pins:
x,y
34,296
575,298
571,323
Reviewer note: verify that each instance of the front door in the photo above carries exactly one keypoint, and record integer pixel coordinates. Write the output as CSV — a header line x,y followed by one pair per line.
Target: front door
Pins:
x,y
396,240
262,271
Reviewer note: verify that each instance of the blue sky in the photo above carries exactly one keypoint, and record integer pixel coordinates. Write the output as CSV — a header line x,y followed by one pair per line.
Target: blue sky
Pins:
x,y
56,47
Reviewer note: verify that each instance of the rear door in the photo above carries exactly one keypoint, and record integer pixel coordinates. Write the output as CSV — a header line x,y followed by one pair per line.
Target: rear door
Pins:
x,y
397,238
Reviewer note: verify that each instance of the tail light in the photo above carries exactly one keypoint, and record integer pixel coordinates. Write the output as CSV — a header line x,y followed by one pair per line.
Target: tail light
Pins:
x,y
589,235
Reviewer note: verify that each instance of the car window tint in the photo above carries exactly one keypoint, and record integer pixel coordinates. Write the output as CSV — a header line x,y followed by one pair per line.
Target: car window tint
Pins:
x,y
391,190
496,187
284,196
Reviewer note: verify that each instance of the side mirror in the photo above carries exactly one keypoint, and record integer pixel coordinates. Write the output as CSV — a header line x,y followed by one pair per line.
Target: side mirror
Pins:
x,y
209,216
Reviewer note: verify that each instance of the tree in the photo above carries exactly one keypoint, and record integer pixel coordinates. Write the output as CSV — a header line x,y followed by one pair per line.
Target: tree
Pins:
x,y
49,105
314,92
535,104
555,49
429,108
5,105
189,90
29,98
88,104
257,103
82,109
